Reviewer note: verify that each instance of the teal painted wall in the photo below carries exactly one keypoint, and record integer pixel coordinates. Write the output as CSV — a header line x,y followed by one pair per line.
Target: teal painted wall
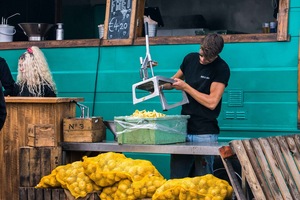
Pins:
x,y
260,100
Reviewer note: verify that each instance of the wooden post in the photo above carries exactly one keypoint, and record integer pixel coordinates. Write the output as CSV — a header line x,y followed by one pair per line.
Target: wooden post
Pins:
x,y
283,16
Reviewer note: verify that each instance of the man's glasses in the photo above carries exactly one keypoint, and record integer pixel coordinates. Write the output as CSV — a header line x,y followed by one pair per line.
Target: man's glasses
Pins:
x,y
208,59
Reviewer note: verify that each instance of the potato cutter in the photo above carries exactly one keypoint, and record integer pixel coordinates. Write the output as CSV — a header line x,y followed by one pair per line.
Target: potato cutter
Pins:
x,y
152,85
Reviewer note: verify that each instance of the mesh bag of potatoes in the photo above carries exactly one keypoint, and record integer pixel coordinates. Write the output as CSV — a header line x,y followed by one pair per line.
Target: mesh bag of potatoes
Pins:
x,y
146,187
100,168
73,178
108,193
49,180
206,187
108,168
127,189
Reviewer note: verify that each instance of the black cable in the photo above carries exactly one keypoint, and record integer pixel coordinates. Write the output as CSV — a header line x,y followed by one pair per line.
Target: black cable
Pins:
x,y
96,78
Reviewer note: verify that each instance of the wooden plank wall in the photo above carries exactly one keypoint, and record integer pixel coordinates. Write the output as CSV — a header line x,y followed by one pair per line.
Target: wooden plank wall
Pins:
x,y
36,162
14,135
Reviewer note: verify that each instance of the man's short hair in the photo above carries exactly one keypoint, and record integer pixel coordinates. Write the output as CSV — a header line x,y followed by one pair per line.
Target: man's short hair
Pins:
x,y
212,45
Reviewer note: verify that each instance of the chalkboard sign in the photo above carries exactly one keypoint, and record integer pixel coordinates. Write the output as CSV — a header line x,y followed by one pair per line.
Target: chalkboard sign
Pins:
x,y
119,20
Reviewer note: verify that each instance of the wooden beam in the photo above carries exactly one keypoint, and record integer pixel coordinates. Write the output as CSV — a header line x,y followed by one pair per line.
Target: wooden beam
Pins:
x,y
139,18
283,17
250,174
233,179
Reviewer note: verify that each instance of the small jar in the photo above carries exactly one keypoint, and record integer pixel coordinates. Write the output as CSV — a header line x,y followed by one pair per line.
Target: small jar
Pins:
x,y
266,27
273,27
101,30
59,31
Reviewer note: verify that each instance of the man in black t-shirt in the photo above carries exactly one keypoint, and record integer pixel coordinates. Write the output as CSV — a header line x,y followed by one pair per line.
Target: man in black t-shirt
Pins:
x,y
204,77
2,108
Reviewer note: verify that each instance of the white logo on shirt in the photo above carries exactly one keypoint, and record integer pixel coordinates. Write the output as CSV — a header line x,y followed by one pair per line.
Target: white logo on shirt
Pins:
x,y
205,77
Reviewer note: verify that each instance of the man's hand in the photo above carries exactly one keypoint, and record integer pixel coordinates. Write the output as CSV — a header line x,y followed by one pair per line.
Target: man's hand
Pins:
x,y
179,84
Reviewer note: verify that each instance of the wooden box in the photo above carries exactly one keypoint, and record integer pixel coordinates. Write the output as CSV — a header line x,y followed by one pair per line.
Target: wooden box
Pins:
x,y
83,129
40,135
36,162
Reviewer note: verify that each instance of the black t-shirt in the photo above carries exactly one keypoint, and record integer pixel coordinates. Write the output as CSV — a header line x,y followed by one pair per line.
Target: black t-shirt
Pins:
x,y
6,78
2,108
200,77
46,91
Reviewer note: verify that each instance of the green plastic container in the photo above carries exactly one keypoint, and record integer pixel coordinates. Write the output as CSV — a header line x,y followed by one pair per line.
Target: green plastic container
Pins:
x,y
164,130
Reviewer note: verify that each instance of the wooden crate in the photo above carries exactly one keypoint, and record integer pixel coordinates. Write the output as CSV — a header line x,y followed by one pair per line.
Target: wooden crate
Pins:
x,y
84,136
83,129
31,193
83,124
270,166
40,135
36,162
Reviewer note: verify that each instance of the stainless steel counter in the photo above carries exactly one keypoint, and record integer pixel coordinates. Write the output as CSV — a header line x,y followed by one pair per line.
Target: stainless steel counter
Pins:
x,y
179,148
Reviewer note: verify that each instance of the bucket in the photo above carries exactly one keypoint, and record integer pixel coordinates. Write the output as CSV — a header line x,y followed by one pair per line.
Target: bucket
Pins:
x,y
6,33
101,30
152,28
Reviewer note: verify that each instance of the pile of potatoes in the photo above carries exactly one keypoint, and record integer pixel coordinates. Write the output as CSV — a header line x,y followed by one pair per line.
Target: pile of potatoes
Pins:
x,y
115,177
147,114
121,177
113,174
206,187
71,177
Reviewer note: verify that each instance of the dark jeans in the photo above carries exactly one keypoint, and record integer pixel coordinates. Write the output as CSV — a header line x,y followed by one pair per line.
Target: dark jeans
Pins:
x,y
191,165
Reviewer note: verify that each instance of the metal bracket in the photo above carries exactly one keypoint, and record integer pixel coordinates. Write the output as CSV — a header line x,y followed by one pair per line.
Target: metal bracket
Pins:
x,y
82,109
152,86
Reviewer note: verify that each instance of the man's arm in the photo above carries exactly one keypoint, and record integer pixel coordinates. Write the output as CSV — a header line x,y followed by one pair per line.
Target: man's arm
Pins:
x,y
179,74
208,100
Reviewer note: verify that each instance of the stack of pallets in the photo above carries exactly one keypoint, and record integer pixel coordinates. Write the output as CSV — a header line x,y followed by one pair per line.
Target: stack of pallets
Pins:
x,y
270,167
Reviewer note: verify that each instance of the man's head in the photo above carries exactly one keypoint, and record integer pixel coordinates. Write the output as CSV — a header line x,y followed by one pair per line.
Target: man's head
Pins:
x,y
210,48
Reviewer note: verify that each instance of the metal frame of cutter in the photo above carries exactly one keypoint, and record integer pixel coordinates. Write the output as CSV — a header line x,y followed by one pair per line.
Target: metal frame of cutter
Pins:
x,y
152,84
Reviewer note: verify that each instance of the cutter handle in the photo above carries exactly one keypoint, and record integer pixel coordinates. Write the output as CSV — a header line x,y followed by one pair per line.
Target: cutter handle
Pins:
x,y
146,28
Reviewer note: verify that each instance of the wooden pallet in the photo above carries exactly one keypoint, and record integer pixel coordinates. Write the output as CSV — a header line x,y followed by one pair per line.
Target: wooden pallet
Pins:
x,y
31,193
270,167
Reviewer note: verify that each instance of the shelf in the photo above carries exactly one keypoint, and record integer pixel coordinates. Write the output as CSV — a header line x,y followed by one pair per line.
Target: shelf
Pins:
x,y
233,38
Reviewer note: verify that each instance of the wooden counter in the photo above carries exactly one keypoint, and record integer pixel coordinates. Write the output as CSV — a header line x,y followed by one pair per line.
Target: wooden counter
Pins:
x,y
22,111
188,148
